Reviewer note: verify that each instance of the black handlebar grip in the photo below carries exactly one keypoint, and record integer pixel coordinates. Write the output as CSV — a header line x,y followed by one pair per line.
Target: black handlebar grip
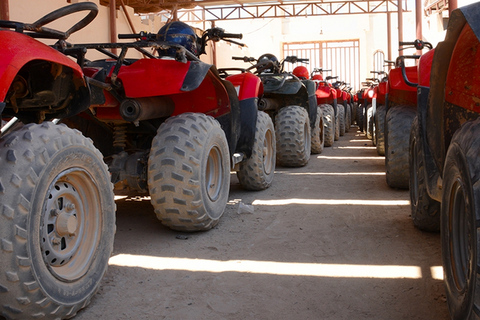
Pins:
x,y
403,43
129,36
233,35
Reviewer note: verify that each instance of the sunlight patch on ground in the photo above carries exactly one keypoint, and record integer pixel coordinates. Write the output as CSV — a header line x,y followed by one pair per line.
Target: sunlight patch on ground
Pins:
x,y
269,267
351,158
350,147
332,202
437,272
331,173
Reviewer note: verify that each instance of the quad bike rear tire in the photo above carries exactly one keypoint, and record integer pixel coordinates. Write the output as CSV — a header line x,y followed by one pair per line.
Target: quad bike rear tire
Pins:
x,y
341,119
380,130
189,172
292,133
425,210
318,133
57,221
360,117
398,124
459,222
353,107
329,124
337,124
369,122
348,117
257,171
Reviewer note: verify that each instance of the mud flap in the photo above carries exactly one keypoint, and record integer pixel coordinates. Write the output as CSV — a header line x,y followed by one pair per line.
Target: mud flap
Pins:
x,y
248,120
196,73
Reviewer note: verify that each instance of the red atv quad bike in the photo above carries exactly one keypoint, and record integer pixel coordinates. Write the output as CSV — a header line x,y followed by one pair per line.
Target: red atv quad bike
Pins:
x,y
378,122
400,110
375,97
341,98
292,103
166,124
318,128
57,208
170,126
444,161
327,100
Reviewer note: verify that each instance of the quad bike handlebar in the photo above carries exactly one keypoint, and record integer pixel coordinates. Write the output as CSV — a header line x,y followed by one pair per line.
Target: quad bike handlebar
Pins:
x,y
245,59
417,44
294,59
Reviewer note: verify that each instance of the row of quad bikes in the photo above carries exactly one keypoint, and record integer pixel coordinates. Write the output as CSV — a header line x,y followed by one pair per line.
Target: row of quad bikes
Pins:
x,y
174,127
75,132
425,120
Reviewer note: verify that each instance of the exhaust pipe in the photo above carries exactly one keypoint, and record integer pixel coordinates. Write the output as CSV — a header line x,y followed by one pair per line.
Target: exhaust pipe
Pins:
x,y
134,110
268,104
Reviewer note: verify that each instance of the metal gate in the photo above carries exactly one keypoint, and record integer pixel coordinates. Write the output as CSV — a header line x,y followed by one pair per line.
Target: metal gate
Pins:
x,y
342,57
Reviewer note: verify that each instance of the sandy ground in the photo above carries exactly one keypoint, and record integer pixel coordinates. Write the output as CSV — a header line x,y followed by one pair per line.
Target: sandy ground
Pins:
x,y
326,241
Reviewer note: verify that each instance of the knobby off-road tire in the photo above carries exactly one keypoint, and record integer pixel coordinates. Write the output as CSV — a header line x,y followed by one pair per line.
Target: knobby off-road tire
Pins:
x,y
369,122
337,124
189,172
292,132
329,124
341,119
360,117
460,223
353,107
380,130
348,118
425,210
57,222
398,123
256,172
318,133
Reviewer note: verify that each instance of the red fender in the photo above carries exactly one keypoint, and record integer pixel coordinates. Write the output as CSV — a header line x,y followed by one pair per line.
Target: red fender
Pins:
x,y
398,91
325,94
153,77
424,68
210,97
381,92
247,85
23,49
461,88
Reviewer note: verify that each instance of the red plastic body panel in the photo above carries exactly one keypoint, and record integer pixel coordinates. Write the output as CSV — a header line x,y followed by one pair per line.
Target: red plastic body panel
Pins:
x,y
153,77
247,85
210,98
398,91
424,68
381,91
340,95
325,94
23,49
461,88
156,77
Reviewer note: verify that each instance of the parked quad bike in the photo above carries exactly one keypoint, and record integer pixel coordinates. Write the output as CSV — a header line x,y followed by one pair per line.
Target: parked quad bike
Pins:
x,y
57,209
401,106
343,106
378,121
168,127
292,103
177,135
327,101
444,165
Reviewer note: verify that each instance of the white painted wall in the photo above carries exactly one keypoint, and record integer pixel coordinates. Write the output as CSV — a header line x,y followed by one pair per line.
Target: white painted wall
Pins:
x,y
97,31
